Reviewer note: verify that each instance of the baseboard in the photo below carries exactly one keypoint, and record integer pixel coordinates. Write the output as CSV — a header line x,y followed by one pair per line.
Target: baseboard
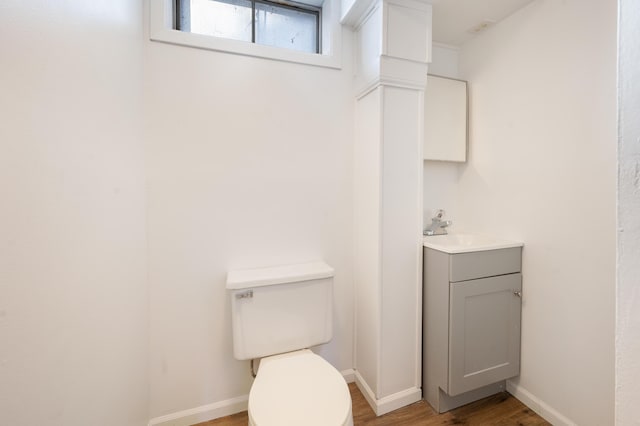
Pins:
x,y
398,400
349,375
388,403
366,392
218,409
203,413
543,409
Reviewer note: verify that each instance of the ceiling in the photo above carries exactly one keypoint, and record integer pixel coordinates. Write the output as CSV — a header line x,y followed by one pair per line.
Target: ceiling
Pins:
x,y
454,21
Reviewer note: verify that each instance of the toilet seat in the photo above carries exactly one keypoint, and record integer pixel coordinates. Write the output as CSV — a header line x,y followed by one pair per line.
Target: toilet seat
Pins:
x,y
299,388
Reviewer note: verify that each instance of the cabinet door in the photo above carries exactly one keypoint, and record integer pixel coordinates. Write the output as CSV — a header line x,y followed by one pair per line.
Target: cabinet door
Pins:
x,y
445,119
484,332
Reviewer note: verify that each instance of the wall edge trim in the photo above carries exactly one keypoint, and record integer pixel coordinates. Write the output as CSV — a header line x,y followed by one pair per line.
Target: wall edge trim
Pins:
x,y
203,413
349,375
388,403
543,409
218,409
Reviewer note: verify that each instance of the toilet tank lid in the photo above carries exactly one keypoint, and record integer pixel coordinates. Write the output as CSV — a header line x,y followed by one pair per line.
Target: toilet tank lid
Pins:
x,y
245,278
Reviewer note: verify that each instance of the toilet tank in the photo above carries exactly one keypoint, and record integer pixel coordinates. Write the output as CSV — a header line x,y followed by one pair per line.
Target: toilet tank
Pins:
x,y
280,309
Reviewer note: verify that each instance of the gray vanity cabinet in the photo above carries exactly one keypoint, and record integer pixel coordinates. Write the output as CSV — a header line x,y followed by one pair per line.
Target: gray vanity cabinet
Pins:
x,y
471,343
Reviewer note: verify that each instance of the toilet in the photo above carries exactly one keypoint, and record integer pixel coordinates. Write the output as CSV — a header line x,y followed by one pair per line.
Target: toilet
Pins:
x,y
277,314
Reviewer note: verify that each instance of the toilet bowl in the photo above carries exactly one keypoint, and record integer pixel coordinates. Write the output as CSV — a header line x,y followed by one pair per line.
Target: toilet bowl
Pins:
x,y
299,388
276,314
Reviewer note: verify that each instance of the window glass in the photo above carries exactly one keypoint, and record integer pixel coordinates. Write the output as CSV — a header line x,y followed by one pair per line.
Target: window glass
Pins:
x,y
221,18
281,25
286,27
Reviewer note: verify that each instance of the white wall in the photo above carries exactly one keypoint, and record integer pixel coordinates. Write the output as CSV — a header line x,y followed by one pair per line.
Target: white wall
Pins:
x,y
249,164
542,170
444,60
628,309
73,301
441,177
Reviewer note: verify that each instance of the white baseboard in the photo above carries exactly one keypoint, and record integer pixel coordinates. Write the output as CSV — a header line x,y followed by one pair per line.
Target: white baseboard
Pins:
x,y
388,403
349,375
218,409
203,413
366,391
543,409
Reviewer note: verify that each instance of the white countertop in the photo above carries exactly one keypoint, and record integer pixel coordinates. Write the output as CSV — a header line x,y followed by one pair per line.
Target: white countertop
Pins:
x,y
465,243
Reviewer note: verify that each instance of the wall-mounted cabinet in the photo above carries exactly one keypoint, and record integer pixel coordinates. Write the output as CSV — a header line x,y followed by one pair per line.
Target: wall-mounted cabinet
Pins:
x,y
445,119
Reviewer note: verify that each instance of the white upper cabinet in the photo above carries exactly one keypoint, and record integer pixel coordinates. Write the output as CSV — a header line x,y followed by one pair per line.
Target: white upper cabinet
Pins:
x,y
445,119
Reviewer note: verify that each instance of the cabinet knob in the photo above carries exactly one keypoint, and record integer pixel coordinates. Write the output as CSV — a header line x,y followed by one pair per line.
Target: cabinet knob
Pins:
x,y
517,293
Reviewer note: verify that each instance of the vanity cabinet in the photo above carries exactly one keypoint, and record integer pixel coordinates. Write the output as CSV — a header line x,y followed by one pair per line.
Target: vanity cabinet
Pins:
x,y
471,312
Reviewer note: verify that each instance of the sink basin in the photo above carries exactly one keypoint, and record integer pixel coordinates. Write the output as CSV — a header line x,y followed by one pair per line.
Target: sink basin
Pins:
x,y
465,243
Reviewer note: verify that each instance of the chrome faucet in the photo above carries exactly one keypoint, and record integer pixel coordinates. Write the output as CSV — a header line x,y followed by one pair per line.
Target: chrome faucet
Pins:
x,y
438,226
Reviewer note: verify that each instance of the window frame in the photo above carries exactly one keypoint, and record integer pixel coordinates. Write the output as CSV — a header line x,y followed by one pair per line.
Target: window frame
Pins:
x,y
183,7
161,29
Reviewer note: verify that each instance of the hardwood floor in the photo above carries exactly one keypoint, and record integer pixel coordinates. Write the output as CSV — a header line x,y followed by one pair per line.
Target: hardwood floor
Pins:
x,y
499,410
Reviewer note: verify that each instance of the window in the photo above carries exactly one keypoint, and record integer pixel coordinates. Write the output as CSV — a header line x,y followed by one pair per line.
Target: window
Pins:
x,y
287,25
234,33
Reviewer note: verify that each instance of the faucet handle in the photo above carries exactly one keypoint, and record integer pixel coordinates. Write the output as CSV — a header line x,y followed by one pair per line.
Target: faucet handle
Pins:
x,y
439,214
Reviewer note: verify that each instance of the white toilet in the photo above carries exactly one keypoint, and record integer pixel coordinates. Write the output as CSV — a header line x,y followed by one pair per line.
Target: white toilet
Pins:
x,y
277,313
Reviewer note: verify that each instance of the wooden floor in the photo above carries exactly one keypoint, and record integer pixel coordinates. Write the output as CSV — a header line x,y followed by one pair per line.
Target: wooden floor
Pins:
x,y
499,410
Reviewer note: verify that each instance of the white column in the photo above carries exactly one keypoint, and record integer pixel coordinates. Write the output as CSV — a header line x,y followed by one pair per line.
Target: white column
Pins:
x,y
393,41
